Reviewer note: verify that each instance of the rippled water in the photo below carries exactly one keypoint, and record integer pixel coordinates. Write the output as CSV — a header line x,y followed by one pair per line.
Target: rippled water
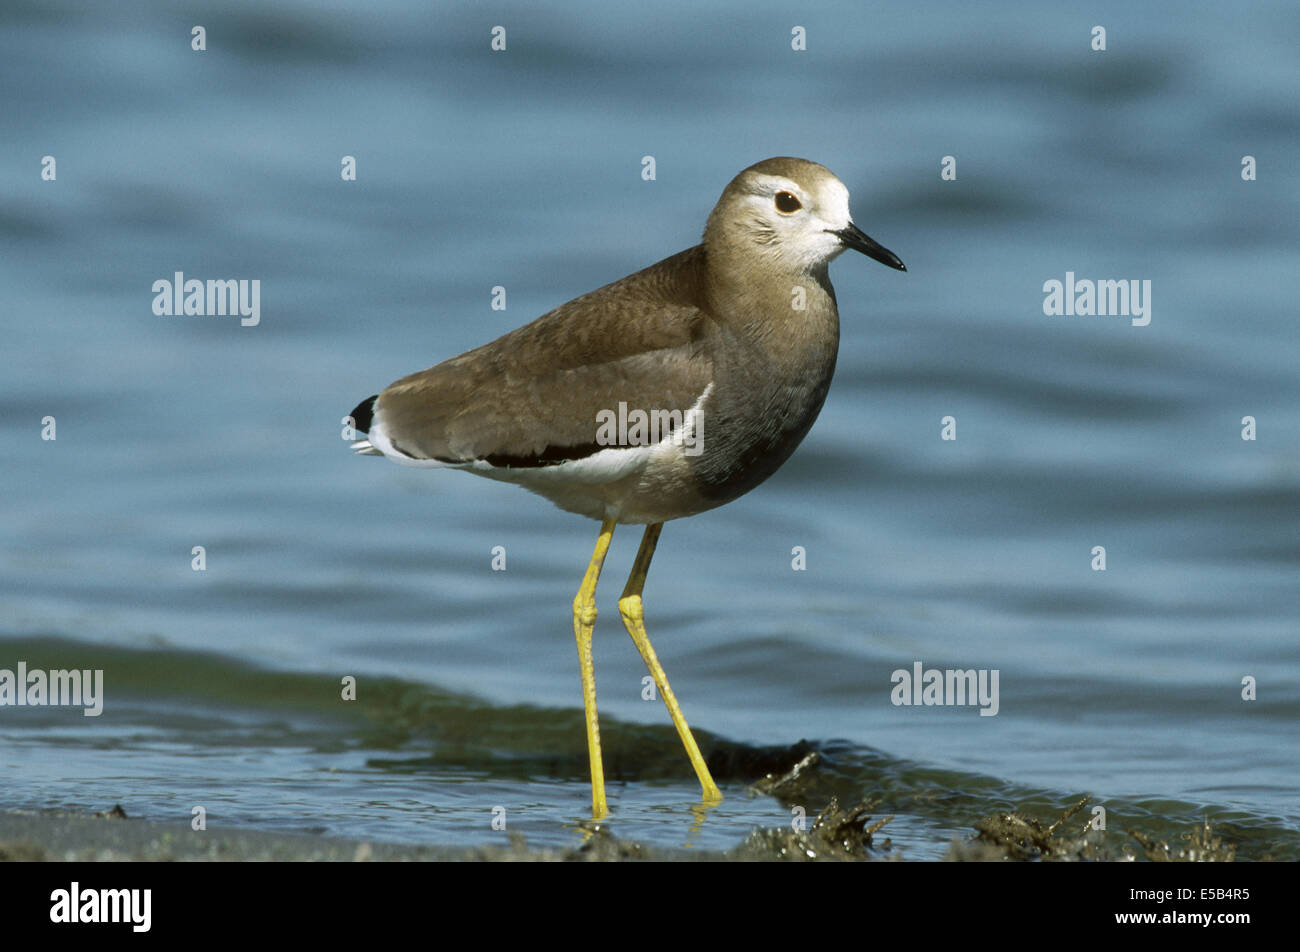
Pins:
x,y
522,169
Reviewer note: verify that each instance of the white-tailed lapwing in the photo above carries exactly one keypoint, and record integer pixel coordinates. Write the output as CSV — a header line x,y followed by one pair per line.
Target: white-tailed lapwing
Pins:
x,y
667,393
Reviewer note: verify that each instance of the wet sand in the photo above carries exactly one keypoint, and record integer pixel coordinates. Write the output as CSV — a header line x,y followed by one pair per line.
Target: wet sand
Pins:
x,y
836,834
54,836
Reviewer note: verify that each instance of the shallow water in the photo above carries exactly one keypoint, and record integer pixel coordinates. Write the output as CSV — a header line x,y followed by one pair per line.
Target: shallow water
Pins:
x,y
522,169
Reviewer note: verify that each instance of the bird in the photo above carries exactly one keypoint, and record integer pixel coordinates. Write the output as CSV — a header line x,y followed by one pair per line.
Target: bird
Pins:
x,y
662,395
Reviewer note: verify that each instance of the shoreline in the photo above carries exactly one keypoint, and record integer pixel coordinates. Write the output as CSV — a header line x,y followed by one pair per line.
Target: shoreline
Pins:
x,y
63,836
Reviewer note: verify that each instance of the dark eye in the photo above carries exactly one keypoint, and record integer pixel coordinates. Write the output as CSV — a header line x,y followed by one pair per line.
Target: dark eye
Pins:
x,y
787,203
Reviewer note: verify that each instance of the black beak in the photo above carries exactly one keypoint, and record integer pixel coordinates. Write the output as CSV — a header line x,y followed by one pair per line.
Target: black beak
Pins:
x,y
853,237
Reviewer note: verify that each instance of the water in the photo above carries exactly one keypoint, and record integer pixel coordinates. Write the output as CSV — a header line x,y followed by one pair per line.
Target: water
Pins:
x,y
522,169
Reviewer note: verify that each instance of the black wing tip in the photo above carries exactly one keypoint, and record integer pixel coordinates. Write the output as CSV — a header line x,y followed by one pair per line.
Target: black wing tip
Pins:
x,y
550,456
364,414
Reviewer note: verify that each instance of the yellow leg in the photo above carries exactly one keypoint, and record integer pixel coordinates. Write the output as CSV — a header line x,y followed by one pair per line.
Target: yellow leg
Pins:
x,y
584,622
629,606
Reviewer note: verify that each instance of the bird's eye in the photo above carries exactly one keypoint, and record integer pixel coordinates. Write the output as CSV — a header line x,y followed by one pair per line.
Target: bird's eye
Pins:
x,y
787,203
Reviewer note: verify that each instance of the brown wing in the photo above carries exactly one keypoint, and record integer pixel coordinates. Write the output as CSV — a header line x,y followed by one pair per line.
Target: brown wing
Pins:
x,y
531,398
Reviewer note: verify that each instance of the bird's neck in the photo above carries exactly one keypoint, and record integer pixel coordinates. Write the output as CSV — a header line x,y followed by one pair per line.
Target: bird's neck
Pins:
x,y
786,311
